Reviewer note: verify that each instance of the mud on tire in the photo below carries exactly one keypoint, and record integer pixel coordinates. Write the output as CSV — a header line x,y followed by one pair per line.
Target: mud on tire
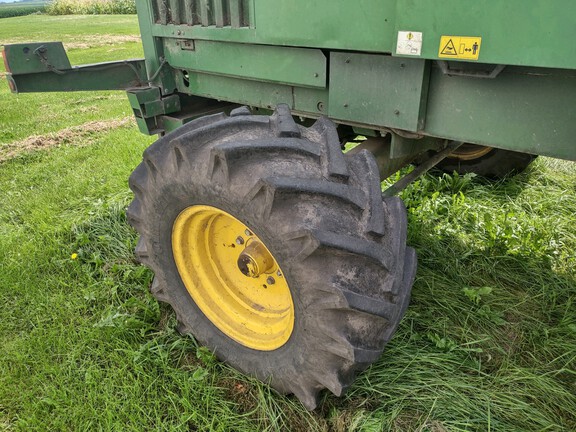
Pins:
x,y
320,212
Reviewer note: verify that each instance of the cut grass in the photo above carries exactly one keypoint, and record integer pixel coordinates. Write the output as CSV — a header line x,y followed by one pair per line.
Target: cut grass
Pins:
x,y
488,342
80,135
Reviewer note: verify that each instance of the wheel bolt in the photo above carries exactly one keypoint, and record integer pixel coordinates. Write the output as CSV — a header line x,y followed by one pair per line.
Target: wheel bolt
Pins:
x,y
279,273
248,233
239,240
270,280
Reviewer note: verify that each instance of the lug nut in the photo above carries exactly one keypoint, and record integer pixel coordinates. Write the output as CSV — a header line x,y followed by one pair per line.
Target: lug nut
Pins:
x,y
270,280
279,273
239,240
248,233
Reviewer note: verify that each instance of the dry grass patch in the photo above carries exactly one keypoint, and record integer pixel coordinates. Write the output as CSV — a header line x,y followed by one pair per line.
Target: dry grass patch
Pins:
x,y
83,42
104,40
81,135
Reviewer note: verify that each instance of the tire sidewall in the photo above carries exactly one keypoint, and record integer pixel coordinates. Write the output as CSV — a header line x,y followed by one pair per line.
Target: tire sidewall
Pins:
x,y
167,205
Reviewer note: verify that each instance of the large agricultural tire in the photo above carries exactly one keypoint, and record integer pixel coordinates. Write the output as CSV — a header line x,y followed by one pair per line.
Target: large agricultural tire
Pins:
x,y
488,162
232,209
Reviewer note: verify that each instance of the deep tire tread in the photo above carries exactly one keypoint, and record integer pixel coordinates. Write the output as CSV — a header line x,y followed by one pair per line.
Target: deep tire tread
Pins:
x,y
285,124
339,346
335,165
364,167
352,245
286,185
384,308
208,150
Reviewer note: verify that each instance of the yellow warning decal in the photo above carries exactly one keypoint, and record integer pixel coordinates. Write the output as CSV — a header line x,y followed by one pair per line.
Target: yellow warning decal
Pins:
x,y
460,47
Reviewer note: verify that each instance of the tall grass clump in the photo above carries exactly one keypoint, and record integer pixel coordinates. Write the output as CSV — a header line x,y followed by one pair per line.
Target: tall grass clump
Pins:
x,y
91,7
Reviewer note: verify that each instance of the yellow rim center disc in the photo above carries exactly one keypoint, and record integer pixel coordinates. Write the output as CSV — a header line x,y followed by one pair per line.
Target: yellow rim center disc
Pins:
x,y
233,278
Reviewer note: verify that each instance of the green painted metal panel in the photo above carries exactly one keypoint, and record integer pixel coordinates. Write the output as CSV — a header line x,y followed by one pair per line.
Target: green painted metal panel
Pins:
x,y
513,32
312,102
378,90
150,46
153,49
365,25
528,110
302,100
261,53
107,76
523,109
241,91
36,57
298,66
44,67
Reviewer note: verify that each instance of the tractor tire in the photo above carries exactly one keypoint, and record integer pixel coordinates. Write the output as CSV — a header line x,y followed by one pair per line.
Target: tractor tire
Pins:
x,y
275,250
487,162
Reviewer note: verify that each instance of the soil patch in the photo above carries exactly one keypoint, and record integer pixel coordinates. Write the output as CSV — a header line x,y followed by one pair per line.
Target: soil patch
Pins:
x,y
82,135
102,40
84,42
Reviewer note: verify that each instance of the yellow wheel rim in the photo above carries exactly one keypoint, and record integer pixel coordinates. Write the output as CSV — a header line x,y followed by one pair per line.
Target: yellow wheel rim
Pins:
x,y
233,278
468,152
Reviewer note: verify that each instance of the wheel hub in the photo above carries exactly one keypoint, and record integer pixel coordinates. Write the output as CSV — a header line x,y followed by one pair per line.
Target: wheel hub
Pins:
x,y
227,269
255,260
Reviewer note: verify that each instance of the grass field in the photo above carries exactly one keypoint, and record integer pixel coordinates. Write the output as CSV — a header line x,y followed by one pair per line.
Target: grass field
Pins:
x,y
488,342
